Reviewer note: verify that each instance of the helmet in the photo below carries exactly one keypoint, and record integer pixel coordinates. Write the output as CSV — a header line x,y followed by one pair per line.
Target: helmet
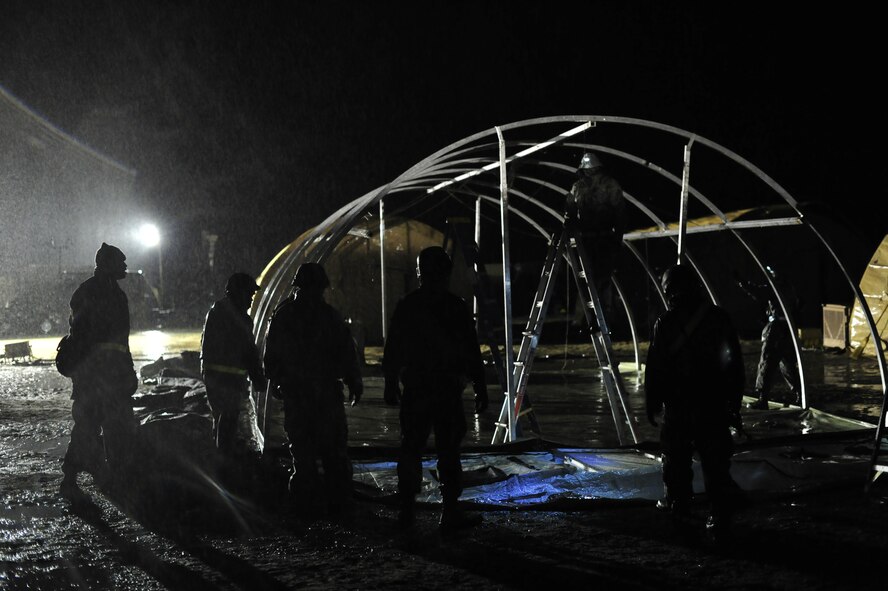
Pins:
x,y
679,284
110,258
241,283
433,263
590,161
311,276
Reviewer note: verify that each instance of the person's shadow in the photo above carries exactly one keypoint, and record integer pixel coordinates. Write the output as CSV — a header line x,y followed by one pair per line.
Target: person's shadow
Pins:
x,y
179,508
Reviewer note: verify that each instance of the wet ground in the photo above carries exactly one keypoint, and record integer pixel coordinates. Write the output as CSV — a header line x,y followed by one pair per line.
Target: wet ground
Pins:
x,y
165,535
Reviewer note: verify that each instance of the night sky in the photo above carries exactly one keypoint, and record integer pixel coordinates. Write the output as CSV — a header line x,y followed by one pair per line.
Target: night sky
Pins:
x,y
255,120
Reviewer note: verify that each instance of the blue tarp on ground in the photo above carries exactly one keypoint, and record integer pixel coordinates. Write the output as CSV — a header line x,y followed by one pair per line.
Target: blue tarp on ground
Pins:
x,y
806,449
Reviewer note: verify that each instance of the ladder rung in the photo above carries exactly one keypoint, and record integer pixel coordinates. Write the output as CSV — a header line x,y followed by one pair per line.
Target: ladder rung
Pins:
x,y
502,425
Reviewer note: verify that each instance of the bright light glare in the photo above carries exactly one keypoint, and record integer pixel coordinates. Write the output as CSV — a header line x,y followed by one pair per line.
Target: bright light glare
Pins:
x,y
152,343
149,235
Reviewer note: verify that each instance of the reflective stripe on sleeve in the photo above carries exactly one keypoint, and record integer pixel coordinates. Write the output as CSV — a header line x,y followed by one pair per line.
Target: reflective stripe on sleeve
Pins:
x,y
225,369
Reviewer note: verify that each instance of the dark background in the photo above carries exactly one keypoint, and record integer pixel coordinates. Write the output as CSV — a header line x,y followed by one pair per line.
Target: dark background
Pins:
x,y
256,120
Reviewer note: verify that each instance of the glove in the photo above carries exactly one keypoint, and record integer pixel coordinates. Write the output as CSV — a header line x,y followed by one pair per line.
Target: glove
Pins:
x,y
392,393
355,391
480,399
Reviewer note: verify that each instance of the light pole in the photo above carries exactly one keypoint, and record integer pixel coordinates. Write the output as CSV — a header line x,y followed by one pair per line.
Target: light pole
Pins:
x,y
150,237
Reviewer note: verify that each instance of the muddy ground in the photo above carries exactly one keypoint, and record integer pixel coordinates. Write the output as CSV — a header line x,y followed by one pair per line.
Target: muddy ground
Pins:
x,y
158,534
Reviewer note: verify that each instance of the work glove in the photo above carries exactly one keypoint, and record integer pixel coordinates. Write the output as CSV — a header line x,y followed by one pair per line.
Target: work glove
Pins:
x,y
355,391
480,398
392,393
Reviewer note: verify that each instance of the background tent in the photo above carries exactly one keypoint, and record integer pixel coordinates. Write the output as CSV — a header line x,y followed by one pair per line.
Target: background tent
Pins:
x,y
874,286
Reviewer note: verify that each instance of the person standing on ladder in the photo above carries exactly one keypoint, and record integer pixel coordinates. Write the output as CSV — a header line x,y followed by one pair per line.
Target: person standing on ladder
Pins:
x,y
596,209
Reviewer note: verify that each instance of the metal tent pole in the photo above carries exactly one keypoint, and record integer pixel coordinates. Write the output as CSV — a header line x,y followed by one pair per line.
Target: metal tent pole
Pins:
x,y
683,211
478,254
507,288
382,263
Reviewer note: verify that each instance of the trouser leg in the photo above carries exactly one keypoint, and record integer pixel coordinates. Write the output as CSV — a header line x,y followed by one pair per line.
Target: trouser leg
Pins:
x,y
225,430
415,418
450,428
300,425
715,447
678,475
85,451
119,432
335,460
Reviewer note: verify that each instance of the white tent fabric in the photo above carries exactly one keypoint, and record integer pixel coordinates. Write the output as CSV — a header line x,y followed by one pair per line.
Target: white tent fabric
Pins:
x,y
874,286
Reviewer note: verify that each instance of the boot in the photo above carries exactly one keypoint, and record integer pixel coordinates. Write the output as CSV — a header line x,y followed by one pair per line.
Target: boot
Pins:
x,y
761,403
795,399
454,518
407,513
68,488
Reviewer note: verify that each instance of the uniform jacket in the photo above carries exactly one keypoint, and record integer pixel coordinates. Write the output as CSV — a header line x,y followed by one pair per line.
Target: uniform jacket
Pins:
x,y
308,341
100,329
432,336
596,201
694,363
99,313
227,342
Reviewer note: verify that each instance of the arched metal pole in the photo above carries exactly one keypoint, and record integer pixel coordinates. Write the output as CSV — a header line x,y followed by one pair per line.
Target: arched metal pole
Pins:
x,y
507,289
477,304
631,320
382,264
683,209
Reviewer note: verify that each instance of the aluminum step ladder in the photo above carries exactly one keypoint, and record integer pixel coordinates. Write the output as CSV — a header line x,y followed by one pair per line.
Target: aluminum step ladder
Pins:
x,y
568,245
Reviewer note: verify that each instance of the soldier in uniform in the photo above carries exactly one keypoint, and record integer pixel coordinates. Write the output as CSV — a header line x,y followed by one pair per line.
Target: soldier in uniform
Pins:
x,y
432,350
309,355
695,376
228,355
104,380
597,208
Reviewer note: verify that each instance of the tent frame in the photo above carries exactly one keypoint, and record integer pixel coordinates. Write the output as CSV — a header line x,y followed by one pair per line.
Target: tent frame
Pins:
x,y
461,168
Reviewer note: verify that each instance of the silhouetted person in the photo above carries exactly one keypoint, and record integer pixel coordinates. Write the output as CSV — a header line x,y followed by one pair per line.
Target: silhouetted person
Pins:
x,y
309,354
695,375
778,354
104,380
595,206
228,356
432,349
